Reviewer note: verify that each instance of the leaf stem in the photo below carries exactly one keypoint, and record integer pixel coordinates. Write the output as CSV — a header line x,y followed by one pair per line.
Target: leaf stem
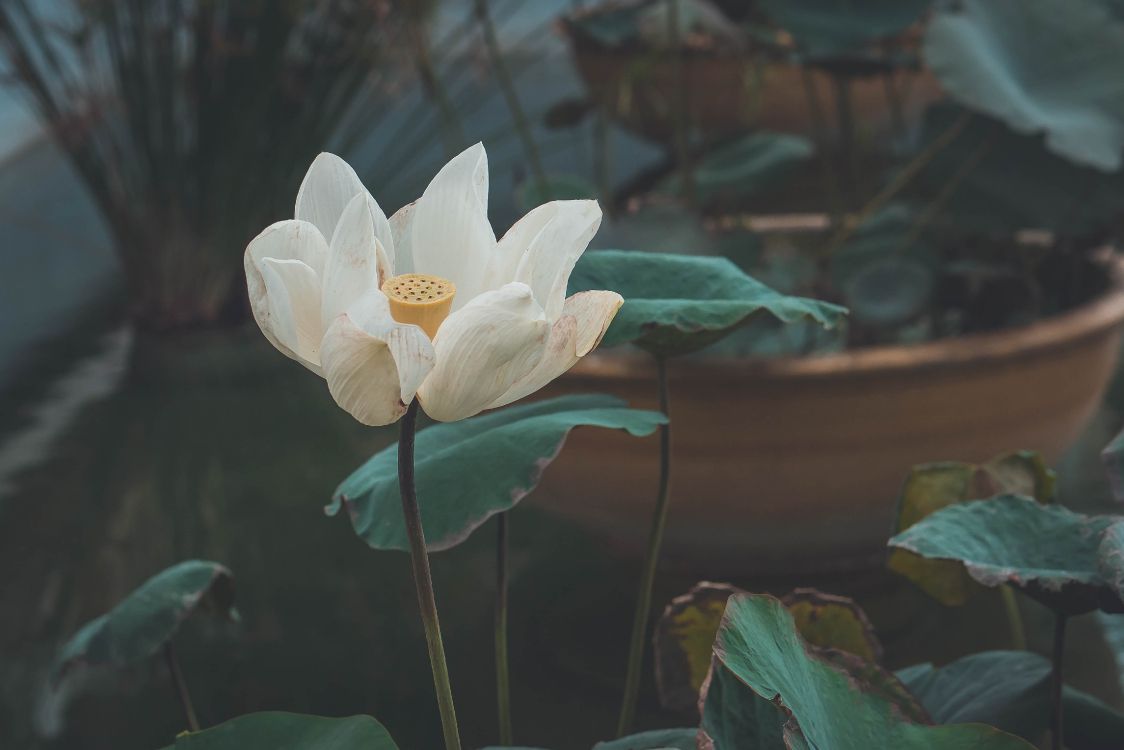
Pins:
x,y
1014,618
423,580
651,559
1056,730
503,677
181,686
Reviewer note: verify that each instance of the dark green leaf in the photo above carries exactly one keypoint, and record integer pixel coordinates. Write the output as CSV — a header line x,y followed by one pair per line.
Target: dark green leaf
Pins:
x,y
1041,66
745,167
277,730
1011,690
657,739
1070,562
930,487
733,716
759,645
675,304
830,27
1016,183
148,617
514,445
1000,688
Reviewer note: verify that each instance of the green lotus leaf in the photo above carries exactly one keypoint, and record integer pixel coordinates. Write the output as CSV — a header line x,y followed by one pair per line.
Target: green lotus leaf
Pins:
x,y
469,470
676,304
745,167
278,730
930,487
1040,66
832,27
734,716
685,633
656,739
147,618
820,705
1071,563
1010,690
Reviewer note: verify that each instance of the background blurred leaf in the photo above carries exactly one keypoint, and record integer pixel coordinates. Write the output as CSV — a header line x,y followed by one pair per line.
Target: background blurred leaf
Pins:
x,y
744,167
1016,184
457,493
1041,66
277,730
831,27
1070,562
561,187
148,617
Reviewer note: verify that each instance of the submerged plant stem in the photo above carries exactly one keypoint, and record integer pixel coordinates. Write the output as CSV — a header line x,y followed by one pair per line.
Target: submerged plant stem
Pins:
x,y
181,687
1056,681
503,679
1014,618
423,580
651,560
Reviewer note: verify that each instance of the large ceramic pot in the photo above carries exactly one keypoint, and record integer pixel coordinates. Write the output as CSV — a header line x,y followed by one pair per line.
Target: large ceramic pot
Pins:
x,y
794,465
730,92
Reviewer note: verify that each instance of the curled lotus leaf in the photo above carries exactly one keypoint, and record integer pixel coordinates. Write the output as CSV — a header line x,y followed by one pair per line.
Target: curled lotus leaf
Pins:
x,y
141,623
930,487
1070,562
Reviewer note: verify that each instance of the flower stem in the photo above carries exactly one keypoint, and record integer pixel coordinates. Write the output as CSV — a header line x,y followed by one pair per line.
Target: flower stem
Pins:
x,y
1014,618
423,580
181,686
503,678
1056,731
651,559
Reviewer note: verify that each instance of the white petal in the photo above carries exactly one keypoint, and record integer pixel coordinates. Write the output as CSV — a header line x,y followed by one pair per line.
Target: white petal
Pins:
x,y
356,263
551,254
374,365
514,243
400,229
449,234
482,349
328,187
585,318
285,240
293,298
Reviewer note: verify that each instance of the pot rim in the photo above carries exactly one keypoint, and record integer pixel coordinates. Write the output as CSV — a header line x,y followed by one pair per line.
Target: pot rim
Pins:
x,y
1092,319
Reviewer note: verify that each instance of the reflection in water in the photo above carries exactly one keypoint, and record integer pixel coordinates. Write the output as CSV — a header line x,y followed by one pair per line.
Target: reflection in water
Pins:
x,y
216,447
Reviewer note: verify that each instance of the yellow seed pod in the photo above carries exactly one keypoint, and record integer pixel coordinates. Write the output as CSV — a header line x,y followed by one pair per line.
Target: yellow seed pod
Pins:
x,y
420,299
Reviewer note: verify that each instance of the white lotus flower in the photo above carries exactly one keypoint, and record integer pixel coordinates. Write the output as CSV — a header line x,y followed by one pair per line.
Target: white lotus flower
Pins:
x,y
316,290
